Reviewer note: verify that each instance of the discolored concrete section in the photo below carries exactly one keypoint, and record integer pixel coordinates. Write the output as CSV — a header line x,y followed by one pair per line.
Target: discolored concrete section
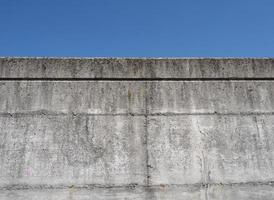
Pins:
x,y
136,129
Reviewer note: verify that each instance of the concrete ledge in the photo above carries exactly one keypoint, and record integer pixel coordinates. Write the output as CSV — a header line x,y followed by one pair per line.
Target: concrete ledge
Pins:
x,y
217,192
130,68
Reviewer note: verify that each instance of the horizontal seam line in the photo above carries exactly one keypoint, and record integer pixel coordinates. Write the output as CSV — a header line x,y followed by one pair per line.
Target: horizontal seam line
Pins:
x,y
133,185
47,113
141,79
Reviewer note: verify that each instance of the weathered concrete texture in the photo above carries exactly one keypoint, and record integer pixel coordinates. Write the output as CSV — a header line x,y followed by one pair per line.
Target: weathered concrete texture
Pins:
x,y
249,192
135,68
73,193
91,97
114,97
111,149
211,149
82,129
72,150
212,96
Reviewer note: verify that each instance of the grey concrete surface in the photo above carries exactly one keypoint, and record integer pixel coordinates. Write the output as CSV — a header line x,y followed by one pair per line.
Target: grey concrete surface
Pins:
x,y
114,128
114,97
210,149
90,97
136,68
72,150
250,192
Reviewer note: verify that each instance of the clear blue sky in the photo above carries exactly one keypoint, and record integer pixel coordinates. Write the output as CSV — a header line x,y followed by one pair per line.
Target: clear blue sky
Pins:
x,y
137,28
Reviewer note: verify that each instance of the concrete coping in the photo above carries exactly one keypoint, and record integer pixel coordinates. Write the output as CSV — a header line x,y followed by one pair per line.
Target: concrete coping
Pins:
x,y
136,68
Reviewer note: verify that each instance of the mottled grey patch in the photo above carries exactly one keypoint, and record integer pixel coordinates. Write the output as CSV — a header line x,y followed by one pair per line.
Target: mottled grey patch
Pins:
x,y
77,144
179,139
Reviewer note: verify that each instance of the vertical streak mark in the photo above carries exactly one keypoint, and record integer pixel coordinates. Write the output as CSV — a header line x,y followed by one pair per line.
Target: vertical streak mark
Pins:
x,y
146,136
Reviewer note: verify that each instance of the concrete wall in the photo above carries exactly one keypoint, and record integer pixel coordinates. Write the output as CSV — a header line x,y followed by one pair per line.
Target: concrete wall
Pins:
x,y
83,129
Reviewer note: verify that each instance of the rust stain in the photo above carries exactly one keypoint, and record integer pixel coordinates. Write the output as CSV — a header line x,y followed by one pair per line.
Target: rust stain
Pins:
x,y
129,95
71,191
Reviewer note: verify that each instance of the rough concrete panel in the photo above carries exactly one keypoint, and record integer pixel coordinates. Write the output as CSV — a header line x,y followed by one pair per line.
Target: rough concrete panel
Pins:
x,y
75,194
135,68
237,149
210,97
153,193
210,149
89,97
174,151
183,192
218,192
241,192
93,97
161,193
106,150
